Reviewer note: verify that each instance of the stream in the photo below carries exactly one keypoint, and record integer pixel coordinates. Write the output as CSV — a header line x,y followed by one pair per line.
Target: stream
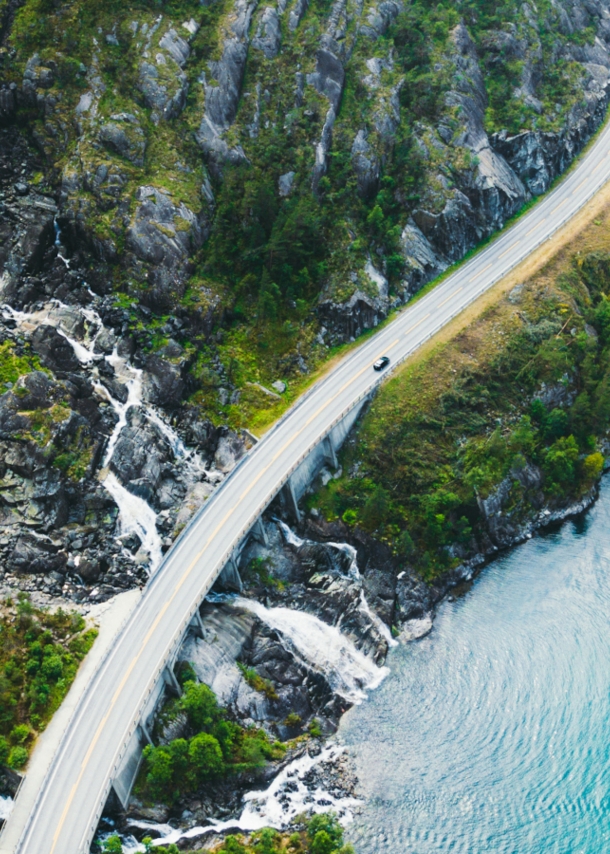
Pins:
x,y
492,733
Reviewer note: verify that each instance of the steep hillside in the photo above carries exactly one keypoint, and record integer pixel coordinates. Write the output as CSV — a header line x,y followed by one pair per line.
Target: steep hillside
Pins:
x,y
198,203
259,182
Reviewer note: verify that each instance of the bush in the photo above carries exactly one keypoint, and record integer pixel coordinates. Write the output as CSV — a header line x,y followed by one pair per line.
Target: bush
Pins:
x,y
205,758
592,467
17,757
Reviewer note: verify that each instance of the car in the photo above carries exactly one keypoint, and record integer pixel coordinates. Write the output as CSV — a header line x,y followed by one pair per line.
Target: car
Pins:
x,y
381,363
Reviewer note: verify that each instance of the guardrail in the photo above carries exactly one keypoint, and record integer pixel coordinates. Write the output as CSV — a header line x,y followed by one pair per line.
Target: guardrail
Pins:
x,y
174,644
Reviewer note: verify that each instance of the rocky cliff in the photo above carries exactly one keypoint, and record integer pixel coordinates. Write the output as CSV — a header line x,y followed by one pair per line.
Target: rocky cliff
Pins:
x,y
197,200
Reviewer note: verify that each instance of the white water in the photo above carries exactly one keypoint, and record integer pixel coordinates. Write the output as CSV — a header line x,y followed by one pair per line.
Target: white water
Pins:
x,y
135,515
322,648
58,243
353,572
276,806
291,538
6,806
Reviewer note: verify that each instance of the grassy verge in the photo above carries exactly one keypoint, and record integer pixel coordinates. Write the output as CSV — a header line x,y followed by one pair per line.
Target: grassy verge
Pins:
x,y
40,653
518,402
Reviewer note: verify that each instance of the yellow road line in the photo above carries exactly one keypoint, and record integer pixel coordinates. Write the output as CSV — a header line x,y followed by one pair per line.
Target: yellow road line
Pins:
x,y
535,227
441,304
419,322
560,205
480,273
584,181
506,251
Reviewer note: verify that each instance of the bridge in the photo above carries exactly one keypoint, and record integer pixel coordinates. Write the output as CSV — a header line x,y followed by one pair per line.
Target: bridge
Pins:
x,y
100,748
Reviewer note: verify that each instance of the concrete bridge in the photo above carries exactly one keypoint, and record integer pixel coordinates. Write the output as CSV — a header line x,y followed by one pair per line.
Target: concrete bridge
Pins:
x,y
100,748
322,454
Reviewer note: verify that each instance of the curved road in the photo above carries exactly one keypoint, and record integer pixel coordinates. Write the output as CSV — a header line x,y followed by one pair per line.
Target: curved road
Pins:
x,y
67,810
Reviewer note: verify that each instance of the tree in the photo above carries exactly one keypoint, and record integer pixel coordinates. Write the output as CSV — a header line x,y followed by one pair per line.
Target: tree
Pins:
x,y
112,845
199,703
205,757
269,297
560,461
592,467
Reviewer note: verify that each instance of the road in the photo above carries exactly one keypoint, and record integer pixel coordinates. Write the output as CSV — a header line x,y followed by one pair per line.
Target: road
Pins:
x,y
66,813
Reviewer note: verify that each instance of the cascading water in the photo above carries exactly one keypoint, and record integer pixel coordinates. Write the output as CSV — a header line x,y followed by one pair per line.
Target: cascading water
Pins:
x,y
286,797
135,514
6,806
353,572
322,648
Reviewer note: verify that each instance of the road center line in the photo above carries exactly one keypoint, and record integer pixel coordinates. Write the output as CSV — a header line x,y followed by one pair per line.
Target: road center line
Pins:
x,y
535,227
415,325
506,251
480,273
584,181
441,304
560,205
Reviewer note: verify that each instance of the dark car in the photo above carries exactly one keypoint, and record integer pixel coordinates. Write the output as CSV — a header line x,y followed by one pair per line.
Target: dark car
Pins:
x,y
382,363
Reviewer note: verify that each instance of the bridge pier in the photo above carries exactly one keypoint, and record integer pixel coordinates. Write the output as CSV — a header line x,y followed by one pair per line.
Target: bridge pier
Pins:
x,y
230,577
259,533
329,452
197,624
169,677
290,500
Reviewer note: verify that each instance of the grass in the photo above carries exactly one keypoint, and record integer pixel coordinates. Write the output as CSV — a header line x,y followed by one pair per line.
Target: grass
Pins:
x,y
451,425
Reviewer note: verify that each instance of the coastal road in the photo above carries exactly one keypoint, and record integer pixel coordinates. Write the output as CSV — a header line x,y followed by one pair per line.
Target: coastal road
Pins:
x,y
65,815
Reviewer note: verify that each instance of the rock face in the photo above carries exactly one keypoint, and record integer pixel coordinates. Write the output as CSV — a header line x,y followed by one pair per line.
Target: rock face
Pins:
x,y
163,235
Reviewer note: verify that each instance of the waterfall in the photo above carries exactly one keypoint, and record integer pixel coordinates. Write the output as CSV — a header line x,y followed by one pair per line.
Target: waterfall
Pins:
x,y
135,515
285,798
353,572
58,244
322,648
291,538
6,807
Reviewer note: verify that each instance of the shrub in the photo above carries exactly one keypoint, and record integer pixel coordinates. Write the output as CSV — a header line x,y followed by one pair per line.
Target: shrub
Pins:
x,y
205,757
17,757
592,467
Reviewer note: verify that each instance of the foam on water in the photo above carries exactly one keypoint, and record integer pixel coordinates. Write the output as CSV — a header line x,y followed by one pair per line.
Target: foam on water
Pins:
x,y
286,797
6,807
136,517
321,648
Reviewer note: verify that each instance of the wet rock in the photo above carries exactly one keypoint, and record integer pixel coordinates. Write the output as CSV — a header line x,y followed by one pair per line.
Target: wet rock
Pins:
x,y
164,382
54,350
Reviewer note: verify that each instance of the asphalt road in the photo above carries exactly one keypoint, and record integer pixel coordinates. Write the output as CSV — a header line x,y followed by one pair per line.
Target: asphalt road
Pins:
x,y
66,813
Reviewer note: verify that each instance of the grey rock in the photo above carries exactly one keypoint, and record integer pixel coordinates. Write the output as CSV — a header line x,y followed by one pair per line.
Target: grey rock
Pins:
x,y
285,183
164,235
366,166
268,34
128,143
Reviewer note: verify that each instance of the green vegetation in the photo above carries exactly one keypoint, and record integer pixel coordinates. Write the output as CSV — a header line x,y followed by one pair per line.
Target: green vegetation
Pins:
x,y
269,258
443,435
319,834
216,748
39,656
13,366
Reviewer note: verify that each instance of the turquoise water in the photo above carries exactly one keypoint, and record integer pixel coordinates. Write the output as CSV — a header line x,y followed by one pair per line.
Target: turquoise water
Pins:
x,y
493,733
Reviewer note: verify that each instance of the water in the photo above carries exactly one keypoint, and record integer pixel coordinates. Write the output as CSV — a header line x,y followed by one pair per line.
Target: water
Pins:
x,y
492,734
323,648
285,798
6,806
